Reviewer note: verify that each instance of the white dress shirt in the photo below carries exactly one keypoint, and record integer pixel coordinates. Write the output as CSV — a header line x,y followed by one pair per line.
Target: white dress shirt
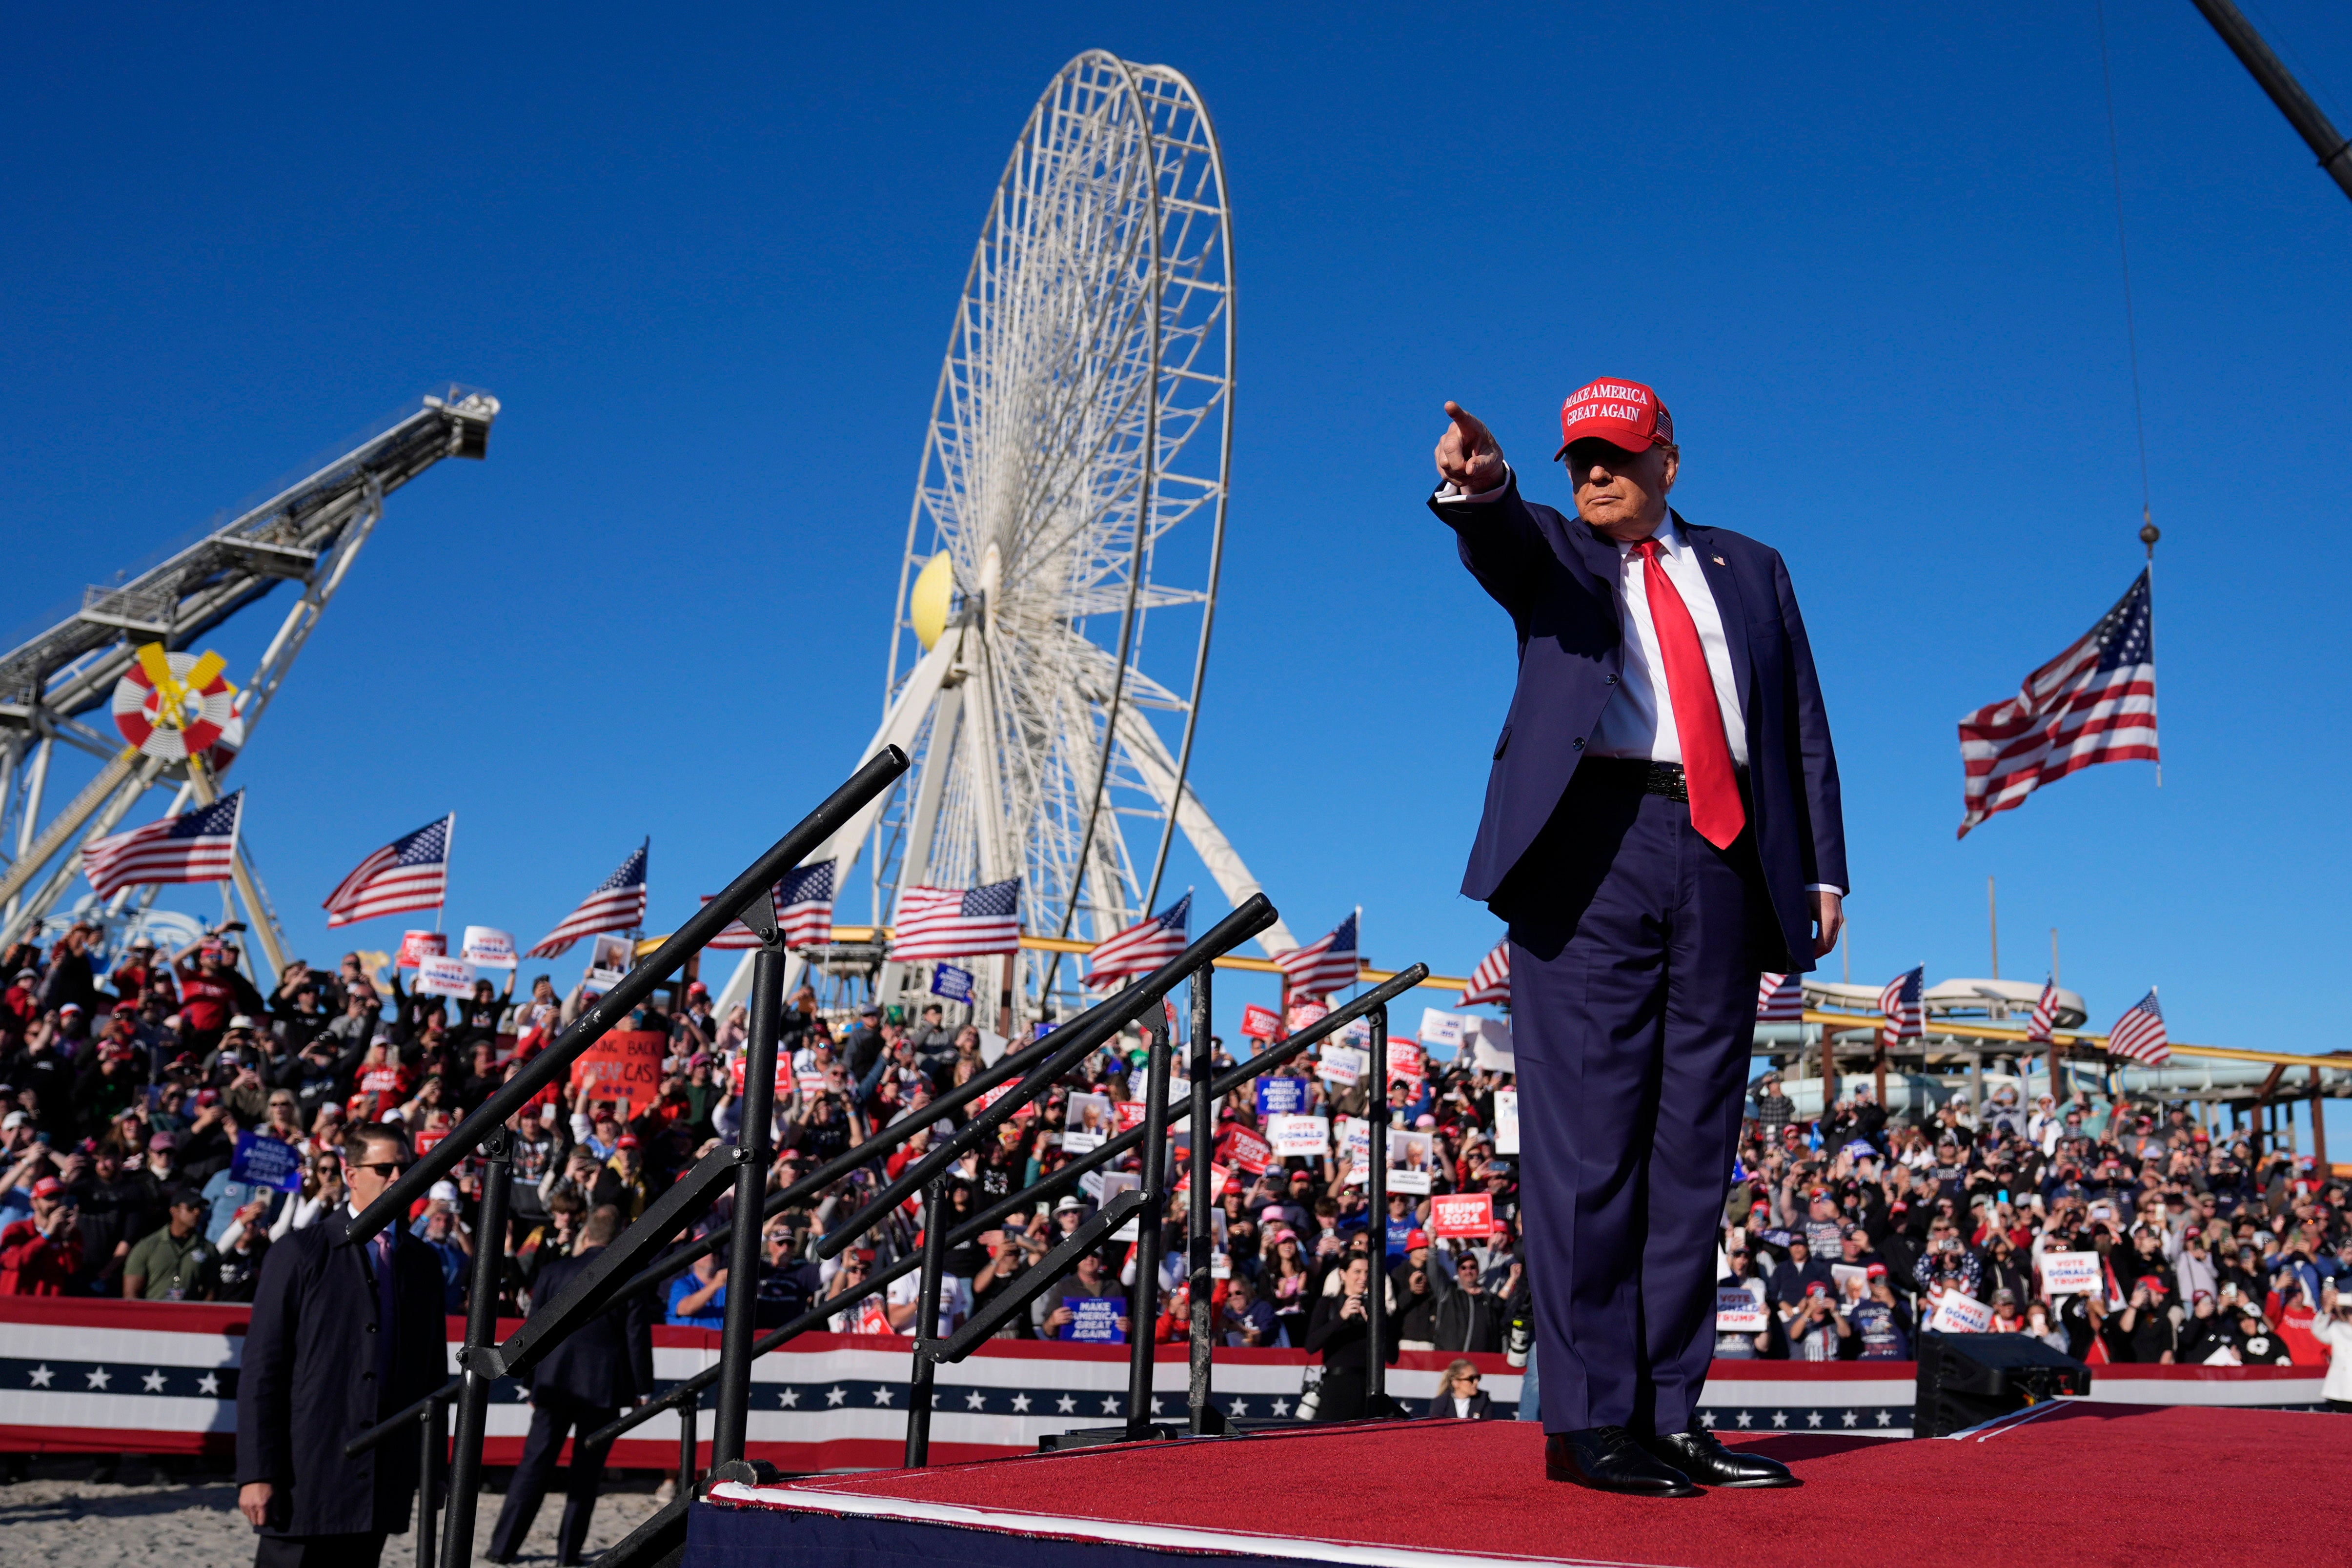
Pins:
x,y
1638,719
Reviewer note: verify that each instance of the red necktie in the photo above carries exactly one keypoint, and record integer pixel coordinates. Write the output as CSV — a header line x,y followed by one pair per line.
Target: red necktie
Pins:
x,y
1714,787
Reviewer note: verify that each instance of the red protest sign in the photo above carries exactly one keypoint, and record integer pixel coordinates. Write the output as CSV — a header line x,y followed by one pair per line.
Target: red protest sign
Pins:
x,y
1405,1059
1246,1151
1304,1014
624,1065
1129,1113
735,1076
1463,1214
1260,1023
986,1100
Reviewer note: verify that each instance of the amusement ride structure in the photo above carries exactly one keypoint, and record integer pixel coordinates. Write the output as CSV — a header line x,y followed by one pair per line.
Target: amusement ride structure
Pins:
x,y
1054,606
127,649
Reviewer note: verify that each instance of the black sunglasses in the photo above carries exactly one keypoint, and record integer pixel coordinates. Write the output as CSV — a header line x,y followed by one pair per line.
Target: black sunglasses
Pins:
x,y
390,1170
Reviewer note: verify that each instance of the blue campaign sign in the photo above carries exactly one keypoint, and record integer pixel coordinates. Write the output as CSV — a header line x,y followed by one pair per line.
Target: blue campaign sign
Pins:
x,y
1281,1096
1096,1319
266,1162
951,983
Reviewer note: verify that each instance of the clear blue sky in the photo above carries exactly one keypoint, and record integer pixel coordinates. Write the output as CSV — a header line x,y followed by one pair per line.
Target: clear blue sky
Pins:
x,y
707,263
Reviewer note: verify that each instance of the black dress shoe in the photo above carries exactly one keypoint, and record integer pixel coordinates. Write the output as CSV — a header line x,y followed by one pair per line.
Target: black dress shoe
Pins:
x,y
1607,1459
1700,1454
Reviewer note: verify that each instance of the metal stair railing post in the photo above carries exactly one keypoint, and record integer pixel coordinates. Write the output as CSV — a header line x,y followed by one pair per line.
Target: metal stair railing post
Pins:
x,y
1099,1022
481,1328
1376,1292
435,1427
988,1218
634,988
923,1376
689,1421
751,1155
1143,1309
1087,1032
1206,1417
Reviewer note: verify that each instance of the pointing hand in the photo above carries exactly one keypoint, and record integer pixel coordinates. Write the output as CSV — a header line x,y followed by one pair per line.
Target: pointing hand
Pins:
x,y
1467,455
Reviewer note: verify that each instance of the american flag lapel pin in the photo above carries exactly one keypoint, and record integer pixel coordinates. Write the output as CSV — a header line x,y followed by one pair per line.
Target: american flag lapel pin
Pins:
x,y
1719,559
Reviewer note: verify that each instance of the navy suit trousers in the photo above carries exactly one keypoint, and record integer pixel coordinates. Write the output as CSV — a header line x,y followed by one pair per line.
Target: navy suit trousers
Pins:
x,y
1633,974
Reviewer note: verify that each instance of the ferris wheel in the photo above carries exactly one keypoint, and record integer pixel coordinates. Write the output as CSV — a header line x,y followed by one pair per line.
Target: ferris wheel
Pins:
x,y
1051,637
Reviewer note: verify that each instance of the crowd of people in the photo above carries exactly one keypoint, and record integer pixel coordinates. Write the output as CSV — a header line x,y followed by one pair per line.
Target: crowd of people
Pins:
x,y
162,1124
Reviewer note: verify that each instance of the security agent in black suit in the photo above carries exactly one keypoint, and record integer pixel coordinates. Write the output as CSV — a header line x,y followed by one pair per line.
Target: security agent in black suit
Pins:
x,y
342,1336
607,1363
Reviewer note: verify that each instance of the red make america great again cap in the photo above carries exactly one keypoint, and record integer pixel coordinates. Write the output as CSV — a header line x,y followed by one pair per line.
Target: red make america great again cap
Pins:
x,y
1623,413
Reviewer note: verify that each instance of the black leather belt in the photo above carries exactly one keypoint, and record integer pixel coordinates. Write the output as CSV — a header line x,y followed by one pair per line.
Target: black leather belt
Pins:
x,y
1637,773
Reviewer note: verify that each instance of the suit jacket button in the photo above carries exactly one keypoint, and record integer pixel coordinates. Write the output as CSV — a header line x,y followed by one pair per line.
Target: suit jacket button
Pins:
x,y
1578,743
1610,682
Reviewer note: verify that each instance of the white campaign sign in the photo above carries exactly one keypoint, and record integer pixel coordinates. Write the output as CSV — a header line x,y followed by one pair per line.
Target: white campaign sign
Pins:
x,y
445,977
1306,1135
1489,1040
1959,1314
2070,1273
1507,1126
491,948
1439,1027
1341,1066
1737,1311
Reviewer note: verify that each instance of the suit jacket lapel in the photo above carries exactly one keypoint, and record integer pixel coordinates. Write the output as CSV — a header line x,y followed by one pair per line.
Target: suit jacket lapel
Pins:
x,y
1723,583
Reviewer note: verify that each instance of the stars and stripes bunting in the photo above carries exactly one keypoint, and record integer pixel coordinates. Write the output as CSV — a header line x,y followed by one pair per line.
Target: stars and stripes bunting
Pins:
x,y
2095,702
1143,946
2140,1033
2045,1015
411,872
197,846
1780,998
958,923
618,904
1900,1002
1323,967
1490,983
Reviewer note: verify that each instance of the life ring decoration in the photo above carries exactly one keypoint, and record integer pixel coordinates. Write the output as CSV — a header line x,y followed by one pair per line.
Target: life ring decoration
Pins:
x,y
173,705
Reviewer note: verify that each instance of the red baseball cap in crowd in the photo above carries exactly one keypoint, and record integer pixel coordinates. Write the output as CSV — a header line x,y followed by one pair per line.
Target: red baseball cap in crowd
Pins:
x,y
1623,413
1412,1238
49,1187
629,1141
1875,1271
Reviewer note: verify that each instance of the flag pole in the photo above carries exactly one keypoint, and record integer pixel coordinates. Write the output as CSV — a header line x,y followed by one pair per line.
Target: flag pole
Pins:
x,y
2148,534
448,858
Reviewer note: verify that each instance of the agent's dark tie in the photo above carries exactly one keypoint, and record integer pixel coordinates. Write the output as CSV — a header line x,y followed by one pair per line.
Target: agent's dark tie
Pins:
x,y
1714,786
380,1251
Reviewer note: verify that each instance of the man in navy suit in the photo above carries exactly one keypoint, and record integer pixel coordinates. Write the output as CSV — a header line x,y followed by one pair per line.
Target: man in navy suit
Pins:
x,y
1662,824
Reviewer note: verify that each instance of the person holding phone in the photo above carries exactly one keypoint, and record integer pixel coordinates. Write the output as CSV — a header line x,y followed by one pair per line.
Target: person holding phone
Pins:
x,y
41,1254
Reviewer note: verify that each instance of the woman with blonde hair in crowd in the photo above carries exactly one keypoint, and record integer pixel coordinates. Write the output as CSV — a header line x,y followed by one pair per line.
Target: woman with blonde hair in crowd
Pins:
x,y
1458,1396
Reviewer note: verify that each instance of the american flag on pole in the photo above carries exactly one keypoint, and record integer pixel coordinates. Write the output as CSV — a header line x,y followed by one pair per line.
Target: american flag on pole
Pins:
x,y
1905,1014
805,904
2140,1033
1142,947
1323,967
2094,703
197,846
958,923
803,911
1490,983
2045,1015
1780,998
411,872
618,904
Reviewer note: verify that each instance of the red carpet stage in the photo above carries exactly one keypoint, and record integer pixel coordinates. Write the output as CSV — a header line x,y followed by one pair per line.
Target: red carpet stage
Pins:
x,y
2068,1484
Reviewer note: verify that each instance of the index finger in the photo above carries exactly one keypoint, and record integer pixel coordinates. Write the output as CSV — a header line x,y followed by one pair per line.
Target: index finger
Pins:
x,y
1470,422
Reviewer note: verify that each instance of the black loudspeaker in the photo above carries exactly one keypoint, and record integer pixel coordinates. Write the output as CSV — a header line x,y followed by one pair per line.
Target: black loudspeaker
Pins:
x,y
1965,1379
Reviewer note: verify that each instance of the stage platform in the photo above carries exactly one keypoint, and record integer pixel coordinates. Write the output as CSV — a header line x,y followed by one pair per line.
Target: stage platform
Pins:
x,y
2074,1483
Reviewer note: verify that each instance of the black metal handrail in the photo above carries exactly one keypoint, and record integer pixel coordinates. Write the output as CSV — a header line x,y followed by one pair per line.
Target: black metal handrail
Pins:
x,y
486,1130
634,988
1207,1088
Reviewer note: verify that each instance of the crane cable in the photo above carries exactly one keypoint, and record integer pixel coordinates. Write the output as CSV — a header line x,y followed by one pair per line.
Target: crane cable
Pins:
x,y
2123,251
